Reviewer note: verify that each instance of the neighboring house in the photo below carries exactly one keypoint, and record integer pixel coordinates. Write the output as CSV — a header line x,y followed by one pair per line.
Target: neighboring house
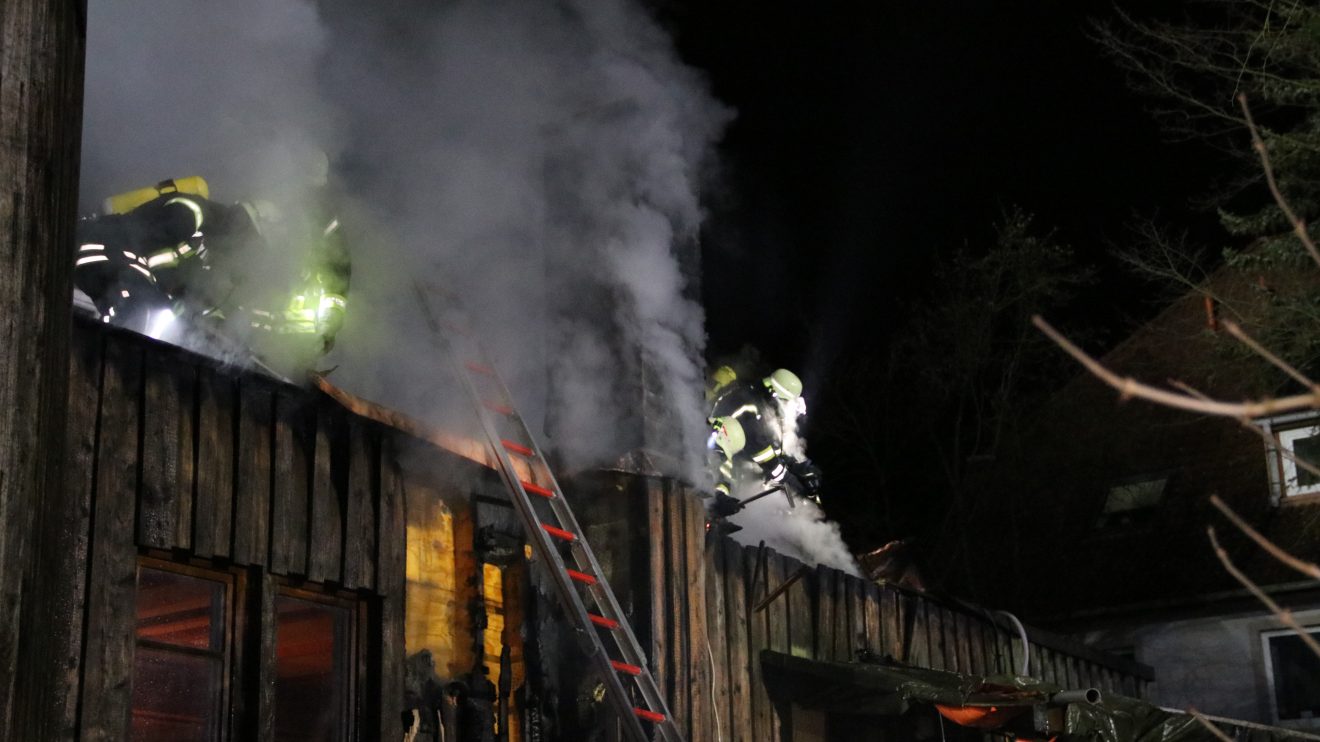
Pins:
x,y
1094,523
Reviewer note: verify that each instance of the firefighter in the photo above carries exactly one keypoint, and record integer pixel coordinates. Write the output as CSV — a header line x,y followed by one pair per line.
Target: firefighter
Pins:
x,y
150,254
294,326
763,410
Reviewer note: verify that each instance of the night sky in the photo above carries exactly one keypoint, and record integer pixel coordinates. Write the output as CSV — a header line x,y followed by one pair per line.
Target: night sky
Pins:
x,y
872,134
875,134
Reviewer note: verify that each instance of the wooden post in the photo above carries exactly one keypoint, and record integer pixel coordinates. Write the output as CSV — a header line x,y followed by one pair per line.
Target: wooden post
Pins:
x,y
41,66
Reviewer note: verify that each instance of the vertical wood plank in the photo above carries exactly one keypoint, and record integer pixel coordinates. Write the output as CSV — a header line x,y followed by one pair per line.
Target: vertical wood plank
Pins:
x,y
73,514
824,612
777,612
801,642
936,636
327,523
717,637
108,665
740,697
976,647
660,660
252,493
360,517
265,659
213,506
678,595
288,527
700,675
849,626
891,611
840,610
758,639
391,566
963,636
919,640
157,507
857,616
871,607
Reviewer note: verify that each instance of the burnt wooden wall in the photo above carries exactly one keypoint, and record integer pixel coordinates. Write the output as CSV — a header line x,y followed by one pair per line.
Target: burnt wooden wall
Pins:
x,y
706,633
169,453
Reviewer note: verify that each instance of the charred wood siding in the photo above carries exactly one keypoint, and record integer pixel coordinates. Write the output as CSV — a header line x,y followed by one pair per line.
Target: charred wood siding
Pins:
x,y
706,631
172,454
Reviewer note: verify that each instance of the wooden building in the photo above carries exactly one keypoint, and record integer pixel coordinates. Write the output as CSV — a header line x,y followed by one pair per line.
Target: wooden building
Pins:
x,y
262,563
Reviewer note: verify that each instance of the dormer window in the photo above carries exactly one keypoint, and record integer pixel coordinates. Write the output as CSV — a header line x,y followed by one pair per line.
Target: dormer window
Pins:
x,y
1293,438
1133,500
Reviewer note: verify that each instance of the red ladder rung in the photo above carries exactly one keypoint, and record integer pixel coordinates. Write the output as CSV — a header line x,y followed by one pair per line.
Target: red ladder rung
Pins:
x,y
625,667
601,621
582,577
649,715
558,532
538,490
479,368
498,409
517,448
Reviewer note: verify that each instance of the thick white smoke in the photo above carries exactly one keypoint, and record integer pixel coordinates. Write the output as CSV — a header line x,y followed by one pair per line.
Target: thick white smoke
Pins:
x,y
799,530
542,160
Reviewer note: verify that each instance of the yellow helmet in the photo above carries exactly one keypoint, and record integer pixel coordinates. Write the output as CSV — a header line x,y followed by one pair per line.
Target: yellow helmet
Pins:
x,y
784,384
723,377
729,435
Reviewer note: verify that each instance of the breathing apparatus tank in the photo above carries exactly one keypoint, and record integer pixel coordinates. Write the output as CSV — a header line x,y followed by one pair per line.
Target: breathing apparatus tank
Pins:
x,y
123,203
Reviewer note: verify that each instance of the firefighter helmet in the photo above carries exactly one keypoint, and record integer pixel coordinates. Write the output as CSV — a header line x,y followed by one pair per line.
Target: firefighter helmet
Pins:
x,y
729,435
784,384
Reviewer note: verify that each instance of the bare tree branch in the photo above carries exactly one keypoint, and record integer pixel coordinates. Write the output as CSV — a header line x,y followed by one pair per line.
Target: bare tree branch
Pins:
x,y
1269,440
1298,226
1305,567
1236,331
1216,731
1128,387
1279,612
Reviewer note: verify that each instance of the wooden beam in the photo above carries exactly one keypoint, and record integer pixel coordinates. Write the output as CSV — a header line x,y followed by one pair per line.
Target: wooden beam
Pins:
x,y
41,67
471,449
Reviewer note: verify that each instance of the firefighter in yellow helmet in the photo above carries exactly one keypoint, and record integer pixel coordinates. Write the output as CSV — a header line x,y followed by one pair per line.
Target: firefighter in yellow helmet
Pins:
x,y
151,251
763,410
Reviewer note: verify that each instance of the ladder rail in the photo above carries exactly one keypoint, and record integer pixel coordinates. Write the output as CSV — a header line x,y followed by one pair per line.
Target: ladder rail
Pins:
x,y
582,551
584,557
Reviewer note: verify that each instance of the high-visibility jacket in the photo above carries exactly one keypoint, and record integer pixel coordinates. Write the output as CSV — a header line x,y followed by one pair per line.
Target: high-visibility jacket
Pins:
x,y
752,405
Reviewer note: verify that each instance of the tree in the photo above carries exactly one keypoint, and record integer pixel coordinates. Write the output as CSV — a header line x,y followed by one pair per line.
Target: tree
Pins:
x,y
959,372
1194,70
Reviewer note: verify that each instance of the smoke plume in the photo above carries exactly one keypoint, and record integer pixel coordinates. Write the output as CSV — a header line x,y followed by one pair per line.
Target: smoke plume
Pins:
x,y
543,161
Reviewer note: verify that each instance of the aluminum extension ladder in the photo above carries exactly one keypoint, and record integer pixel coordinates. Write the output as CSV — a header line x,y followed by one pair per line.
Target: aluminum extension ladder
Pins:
x,y
554,530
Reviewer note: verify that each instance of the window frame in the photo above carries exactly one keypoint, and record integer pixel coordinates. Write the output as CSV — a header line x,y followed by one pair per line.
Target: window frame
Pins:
x,y
234,581
1267,661
357,609
1280,468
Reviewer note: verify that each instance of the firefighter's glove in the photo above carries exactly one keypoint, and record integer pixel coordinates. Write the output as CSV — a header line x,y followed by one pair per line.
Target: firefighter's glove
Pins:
x,y
809,475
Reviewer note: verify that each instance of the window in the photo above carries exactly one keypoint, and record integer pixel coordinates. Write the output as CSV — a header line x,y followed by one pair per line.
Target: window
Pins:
x,y
1304,444
186,683
1292,437
182,653
1293,671
314,667
1132,501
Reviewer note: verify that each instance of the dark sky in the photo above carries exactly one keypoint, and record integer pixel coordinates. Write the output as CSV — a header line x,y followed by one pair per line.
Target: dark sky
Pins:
x,y
871,134
871,137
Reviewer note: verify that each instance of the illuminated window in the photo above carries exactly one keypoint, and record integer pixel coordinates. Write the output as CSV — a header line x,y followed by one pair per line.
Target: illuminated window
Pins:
x,y
314,668
181,654
1293,671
